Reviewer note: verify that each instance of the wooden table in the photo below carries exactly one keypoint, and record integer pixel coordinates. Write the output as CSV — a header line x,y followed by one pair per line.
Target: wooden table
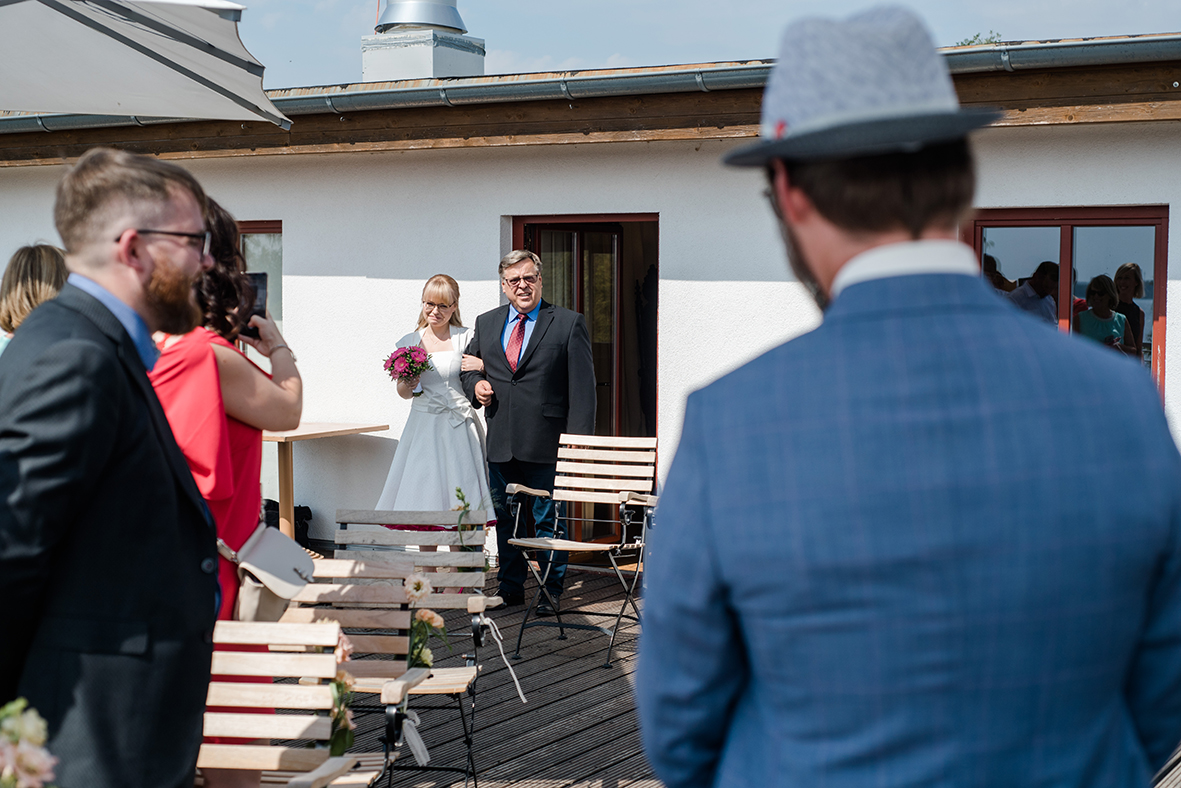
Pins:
x,y
304,432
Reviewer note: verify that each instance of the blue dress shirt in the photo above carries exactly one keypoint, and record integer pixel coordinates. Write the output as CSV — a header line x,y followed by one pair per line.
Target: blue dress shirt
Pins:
x,y
511,323
135,325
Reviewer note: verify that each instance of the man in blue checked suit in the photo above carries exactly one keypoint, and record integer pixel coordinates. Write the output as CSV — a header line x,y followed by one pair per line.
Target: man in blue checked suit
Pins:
x,y
939,543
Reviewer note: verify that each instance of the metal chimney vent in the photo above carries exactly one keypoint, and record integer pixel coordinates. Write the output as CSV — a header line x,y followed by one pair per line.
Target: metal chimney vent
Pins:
x,y
421,13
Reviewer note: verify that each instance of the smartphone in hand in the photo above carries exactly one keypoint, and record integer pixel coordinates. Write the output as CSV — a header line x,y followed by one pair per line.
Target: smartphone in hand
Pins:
x,y
258,280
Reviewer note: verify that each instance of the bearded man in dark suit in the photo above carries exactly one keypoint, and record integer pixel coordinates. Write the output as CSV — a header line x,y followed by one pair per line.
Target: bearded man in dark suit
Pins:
x,y
538,382
108,566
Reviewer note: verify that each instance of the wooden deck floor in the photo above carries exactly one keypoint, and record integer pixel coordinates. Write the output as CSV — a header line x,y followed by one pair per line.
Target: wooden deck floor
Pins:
x,y
579,727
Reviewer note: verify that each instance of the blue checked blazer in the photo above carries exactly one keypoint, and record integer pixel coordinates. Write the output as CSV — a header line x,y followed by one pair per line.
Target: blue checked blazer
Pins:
x,y
933,542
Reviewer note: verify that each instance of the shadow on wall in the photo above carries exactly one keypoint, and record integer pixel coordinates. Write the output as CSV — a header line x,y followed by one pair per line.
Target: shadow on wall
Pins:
x,y
340,473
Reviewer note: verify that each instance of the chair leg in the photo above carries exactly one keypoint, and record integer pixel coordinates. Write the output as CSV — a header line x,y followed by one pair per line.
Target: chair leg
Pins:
x,y
628,598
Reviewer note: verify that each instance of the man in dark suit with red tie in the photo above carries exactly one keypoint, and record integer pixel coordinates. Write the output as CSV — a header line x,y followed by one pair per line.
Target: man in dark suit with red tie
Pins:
x,y
538,382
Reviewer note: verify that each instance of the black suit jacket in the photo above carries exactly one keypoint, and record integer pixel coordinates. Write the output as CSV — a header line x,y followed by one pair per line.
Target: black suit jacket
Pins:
x,y
552,391
107,556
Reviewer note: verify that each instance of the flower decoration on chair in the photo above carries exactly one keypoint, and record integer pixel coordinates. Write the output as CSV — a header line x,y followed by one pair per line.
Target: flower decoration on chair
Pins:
x,y
407,363
343,727
424,624
24,761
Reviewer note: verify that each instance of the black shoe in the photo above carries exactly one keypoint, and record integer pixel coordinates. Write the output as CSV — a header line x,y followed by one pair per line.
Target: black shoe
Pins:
x,y
512,600
544,608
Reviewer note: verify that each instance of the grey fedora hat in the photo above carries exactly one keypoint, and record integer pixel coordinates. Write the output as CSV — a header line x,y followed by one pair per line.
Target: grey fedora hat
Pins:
x,y
870,84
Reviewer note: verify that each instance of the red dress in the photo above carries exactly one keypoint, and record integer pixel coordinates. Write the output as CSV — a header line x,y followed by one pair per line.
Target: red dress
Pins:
x,y
224,455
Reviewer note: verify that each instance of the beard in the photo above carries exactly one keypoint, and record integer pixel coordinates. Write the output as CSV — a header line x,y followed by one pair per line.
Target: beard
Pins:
x,y
169,298
799,266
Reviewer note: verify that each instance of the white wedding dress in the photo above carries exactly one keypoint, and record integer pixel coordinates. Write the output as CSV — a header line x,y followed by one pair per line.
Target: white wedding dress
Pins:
x,y
442,444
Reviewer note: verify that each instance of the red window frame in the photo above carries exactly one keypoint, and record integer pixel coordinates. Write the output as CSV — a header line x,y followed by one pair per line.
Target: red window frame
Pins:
x,y
1067,218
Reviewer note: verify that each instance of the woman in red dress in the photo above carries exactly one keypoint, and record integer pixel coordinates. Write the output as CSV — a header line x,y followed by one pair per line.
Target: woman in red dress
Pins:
x,y
218,402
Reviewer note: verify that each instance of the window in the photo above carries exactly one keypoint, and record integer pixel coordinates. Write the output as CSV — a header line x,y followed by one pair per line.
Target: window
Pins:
x,y
262,246
1084,242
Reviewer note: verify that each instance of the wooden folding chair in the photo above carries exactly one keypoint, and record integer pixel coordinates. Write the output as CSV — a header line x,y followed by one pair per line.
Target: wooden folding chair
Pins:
x,y
365,594
591,470
299,711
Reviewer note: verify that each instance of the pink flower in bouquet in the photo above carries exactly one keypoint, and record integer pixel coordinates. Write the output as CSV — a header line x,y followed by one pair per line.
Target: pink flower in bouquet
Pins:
x,y
32,765
407,363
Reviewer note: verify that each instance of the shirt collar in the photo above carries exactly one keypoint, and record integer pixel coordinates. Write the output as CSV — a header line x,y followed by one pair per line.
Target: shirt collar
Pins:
x,y
532,313
135,325
905,259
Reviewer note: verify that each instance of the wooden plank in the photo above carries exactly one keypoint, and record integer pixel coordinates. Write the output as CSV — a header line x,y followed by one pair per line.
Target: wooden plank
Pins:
x,y
576,482
606,455
272,633
362,619
252,756
240,663
447,517
332,593
413,560
599,469
1102,113
267,726
380,644
281,696
563,544
376,534
614,441
322,429
372,566
325,773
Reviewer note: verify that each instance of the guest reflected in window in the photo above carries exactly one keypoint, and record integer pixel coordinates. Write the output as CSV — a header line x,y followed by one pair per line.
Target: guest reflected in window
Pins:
x,y
1101,323
992,273
1038,295
1129,284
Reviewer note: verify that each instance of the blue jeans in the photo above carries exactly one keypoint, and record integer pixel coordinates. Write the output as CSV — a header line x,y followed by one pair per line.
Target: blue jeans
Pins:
x,y
547,519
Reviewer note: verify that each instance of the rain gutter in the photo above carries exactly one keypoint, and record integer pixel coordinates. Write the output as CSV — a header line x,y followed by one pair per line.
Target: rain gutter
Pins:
x,y
461,92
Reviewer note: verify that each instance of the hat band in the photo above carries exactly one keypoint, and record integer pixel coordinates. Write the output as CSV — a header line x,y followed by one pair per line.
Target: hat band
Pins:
x,y
834,120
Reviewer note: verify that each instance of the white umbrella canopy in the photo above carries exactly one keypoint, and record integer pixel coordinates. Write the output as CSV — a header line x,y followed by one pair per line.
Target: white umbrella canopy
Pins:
x,y
144,58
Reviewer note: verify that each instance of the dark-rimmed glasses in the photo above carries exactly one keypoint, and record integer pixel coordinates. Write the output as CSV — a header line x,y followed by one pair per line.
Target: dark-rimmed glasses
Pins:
x,y
428,306
202,241
529,279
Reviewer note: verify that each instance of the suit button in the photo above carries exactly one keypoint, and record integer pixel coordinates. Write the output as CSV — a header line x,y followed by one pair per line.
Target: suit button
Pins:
x,y
209,566
514,382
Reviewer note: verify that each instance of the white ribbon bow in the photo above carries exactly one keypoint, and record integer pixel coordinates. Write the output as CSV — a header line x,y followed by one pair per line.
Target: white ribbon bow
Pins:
x,y
413,739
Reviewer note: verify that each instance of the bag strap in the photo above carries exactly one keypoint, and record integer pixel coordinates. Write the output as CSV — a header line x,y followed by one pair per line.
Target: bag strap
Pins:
x,y
227,553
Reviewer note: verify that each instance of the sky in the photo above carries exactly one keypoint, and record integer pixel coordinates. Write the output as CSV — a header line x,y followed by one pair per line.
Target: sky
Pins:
x,y
318,42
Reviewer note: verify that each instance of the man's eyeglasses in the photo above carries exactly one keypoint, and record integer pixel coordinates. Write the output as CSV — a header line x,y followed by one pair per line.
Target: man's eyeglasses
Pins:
x,y
202,241
427,306
530,280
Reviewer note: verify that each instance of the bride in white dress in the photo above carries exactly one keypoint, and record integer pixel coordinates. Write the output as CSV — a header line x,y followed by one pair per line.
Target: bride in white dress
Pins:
x,y
442,445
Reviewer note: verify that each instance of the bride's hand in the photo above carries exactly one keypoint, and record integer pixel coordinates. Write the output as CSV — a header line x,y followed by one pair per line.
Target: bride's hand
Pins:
x,y
472,363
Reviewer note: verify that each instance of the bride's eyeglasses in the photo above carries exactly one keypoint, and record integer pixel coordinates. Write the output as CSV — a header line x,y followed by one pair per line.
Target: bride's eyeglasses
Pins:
x,y
431,307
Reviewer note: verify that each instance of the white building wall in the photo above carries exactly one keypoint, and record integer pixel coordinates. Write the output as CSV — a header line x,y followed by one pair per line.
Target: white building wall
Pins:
x,y
363,231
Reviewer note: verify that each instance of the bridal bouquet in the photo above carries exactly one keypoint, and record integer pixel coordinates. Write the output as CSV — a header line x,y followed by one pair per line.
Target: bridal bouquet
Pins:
x,y
407,363
24,761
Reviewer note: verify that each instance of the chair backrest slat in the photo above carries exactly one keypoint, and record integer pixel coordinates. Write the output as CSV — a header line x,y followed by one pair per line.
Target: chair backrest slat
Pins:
x,y
241,663
586,497
376,534
587,483
605,455
267,726
606,469
614,441
282,696
258,756
272,634
358,618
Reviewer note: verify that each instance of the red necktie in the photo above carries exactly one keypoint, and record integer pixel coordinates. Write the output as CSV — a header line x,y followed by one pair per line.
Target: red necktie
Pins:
x,y
515,340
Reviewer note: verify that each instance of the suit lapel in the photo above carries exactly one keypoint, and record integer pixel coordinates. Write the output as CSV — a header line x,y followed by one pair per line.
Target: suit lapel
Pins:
x,y
92,309
495,353
545,317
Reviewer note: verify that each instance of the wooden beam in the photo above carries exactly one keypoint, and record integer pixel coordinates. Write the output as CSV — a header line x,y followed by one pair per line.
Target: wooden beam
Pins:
x,y
1103,94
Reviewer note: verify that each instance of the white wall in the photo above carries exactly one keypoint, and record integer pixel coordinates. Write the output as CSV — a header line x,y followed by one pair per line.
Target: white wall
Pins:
x,y
363,231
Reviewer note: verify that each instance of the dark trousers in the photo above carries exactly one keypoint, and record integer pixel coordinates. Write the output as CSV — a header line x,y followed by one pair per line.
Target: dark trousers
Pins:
x,y
547,519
